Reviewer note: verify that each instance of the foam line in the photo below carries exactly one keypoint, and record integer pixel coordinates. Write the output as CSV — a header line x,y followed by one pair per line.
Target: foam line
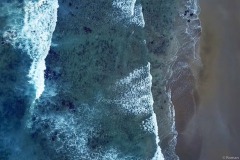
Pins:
x,y
129,10
138,100
126,6
135,98
158,154
35,38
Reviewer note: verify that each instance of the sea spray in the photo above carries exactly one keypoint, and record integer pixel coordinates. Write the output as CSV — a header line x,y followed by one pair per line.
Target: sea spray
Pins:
x,y
152,121
35,37
126,6
130,12
137,99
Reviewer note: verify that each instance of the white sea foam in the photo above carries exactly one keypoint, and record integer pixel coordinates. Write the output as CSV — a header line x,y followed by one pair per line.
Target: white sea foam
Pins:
x,y
126,6
35,37
150,125
13,16
137,99
129,10
73,134
137,18
158,154
193,6
74,131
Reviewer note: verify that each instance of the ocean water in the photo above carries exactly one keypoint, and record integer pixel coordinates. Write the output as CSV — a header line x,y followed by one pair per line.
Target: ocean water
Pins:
x,y
86,80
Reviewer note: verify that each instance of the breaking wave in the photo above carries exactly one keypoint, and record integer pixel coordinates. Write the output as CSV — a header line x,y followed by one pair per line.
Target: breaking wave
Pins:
x,y
129,11
39,23
34,37
135,97
85,134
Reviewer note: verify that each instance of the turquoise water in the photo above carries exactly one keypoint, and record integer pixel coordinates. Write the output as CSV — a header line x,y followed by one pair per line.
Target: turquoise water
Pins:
x,y
86,80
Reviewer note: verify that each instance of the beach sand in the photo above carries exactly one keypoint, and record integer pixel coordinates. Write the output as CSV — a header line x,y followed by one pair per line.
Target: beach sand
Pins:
x,y
212,133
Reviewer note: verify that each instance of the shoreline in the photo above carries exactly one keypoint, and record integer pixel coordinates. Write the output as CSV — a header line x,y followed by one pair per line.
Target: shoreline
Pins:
x,y
209,129
182,83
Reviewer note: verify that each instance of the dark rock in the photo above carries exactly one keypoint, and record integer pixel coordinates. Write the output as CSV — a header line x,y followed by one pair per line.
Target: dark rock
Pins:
x,y
87,30
53,138
68,104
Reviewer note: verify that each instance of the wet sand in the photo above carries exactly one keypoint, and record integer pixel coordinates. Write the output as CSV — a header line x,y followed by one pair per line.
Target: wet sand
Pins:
x,y
213,131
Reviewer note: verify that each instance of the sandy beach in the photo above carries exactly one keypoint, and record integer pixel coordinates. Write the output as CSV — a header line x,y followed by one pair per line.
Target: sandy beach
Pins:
x,y
213,130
